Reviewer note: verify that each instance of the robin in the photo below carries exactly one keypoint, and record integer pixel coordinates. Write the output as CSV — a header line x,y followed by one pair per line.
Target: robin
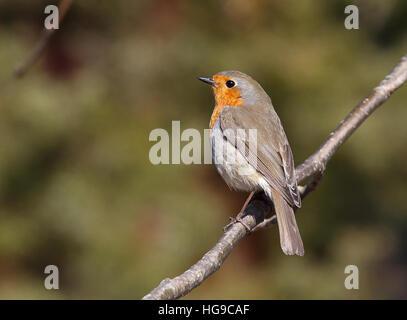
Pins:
x,y
241,104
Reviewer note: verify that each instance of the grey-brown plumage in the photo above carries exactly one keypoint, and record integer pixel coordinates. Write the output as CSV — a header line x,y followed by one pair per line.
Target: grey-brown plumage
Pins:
x,y
272,159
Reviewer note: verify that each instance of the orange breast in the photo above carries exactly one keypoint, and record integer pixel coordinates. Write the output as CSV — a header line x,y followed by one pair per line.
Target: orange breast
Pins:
x,y
224,96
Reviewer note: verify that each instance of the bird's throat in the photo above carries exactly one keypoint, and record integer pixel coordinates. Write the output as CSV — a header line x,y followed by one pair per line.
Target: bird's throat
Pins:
x,y
224,98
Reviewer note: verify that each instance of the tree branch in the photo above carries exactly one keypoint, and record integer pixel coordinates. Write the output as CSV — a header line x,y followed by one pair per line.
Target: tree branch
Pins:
x,y
259,207
21,70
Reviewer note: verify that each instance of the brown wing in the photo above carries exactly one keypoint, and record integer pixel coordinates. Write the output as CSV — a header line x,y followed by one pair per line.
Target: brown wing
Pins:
x,y
272,157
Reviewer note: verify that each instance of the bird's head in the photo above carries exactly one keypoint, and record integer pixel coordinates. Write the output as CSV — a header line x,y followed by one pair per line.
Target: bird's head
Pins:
x,y
234,89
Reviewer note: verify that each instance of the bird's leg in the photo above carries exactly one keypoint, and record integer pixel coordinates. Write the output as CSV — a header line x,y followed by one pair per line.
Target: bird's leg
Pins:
x,y
240,215
241,212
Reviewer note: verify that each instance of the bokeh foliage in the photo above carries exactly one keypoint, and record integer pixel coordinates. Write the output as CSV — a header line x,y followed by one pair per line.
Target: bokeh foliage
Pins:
x,y
76,186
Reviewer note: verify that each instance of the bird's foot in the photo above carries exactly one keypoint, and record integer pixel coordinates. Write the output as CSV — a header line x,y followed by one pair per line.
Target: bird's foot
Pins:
x,y
240,215
236,220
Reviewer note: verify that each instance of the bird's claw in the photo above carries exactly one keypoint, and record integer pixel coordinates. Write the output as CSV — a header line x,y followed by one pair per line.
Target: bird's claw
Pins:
x,y
231,223
236,220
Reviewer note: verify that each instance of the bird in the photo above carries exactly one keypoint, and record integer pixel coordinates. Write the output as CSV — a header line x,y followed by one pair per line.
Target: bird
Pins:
x,y
241,106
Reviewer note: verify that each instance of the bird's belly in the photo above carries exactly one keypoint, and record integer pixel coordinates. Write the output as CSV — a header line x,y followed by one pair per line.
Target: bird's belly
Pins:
x,y
237,172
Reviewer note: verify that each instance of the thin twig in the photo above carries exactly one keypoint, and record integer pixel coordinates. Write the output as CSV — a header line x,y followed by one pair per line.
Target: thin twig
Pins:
x,y
21,70
258,208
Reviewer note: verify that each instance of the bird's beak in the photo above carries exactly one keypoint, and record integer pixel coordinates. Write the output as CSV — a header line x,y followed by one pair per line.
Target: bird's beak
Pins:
x,y
207,80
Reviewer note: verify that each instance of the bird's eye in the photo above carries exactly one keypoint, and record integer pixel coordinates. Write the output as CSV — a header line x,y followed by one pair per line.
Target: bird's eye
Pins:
x,y
230,84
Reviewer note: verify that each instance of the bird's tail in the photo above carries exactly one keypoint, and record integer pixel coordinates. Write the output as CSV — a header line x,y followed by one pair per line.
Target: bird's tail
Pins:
x,y
290,238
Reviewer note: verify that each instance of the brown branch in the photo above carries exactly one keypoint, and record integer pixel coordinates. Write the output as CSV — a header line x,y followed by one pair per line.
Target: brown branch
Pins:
x,y
259,207
21,70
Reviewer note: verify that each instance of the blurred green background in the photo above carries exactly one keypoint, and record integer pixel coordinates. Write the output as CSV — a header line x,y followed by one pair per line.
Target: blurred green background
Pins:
x,y
77,189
